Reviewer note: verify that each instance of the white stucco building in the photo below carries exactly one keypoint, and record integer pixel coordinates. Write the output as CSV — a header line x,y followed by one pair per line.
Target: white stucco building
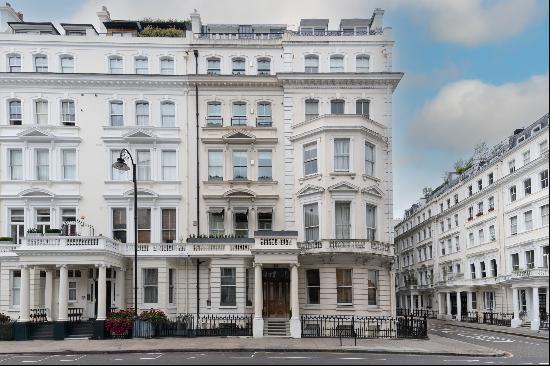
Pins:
x,y
263,165
479,242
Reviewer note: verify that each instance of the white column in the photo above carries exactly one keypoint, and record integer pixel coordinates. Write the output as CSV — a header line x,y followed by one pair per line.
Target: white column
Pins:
x,y
515,304
121,287
469,301
295,325
25,295
412,302
440,305
547,300
48,294
258,323
63,294
458,306
535,319
102,293
449,315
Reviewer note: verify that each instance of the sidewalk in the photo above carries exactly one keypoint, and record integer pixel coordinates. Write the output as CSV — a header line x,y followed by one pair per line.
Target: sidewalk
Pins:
x,y
436,345
540,334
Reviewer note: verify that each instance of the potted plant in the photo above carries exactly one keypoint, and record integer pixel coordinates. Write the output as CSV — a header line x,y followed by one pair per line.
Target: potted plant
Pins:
x,y
119,323
34,232
53,232
148,322
6,240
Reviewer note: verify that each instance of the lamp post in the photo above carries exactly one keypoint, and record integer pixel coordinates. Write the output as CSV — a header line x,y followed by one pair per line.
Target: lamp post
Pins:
x,y
120,164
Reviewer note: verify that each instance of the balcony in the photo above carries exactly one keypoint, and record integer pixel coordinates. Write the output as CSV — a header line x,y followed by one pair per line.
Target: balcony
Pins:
x,y
238,36
525,274
346,246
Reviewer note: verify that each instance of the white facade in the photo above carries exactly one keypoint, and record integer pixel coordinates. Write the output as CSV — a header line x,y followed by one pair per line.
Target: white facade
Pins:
x,y
482,236
280,142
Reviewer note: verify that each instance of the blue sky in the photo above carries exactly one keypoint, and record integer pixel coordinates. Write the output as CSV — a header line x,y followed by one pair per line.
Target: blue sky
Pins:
x,y
474,69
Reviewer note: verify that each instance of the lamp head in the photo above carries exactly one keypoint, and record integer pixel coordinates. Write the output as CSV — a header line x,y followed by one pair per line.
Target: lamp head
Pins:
x,y
120,164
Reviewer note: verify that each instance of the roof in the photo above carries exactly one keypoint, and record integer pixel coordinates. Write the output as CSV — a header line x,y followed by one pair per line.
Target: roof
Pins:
x,y
68,27
314,22
355,22
33,26
128,24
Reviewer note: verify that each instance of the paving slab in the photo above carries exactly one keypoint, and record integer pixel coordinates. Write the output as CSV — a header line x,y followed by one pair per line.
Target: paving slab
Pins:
x,y
435,345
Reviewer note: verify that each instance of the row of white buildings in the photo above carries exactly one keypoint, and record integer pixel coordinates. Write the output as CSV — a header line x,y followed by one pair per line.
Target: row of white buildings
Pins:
x,y
272,145
479,242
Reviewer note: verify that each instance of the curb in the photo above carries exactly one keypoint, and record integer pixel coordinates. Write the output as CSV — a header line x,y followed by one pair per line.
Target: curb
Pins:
x,y
535,336
252,349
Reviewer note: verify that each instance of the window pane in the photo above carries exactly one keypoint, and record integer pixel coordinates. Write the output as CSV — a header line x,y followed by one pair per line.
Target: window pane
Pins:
x,y
168,114
215,165
343,223
311,221
169,171
264,165
341,154
337,107
142,113
168,225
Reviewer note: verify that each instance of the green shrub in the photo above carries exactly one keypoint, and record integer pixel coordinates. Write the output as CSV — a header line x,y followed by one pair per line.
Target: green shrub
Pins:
x,y
151,31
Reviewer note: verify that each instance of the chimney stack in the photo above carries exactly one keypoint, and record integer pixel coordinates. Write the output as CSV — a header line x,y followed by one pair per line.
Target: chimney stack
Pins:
x,y
104,16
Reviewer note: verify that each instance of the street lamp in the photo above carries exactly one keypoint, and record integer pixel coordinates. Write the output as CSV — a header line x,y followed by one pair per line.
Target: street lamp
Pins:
x,y
120,164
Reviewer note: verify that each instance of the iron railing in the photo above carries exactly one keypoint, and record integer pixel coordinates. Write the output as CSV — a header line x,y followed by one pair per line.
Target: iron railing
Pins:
x,y
502,319
543,320
421,313
470,317
363,327
39,315
75,314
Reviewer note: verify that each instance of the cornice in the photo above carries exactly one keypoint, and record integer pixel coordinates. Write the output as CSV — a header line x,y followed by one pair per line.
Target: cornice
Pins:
x,y
342,80
369,132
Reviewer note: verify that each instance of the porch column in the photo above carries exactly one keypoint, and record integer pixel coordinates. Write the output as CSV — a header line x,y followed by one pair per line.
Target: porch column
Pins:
x,y
449,314
469,301
25,295
48,294
121,288
258,324
102,293
458,306
516,322
547,301
63,315
412,303
440,305
535,319
295,325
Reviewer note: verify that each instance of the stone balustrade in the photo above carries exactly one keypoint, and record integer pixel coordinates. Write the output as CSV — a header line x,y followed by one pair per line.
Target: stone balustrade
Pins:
x,y
347,245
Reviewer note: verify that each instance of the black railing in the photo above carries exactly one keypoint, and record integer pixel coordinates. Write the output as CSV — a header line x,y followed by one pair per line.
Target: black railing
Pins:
x,y
470,317
223,325
543,320
214,121
227,35
421,313
75,314
363,327
502,319
265,121
39,315
238,121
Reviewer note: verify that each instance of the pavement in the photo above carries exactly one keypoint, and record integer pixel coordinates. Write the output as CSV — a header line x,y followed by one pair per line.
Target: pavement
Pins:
x,y
524,332
435,345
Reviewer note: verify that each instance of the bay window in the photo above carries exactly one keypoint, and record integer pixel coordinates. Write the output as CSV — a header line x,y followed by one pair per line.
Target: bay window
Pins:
x,y
265,165
168,217
240,221
215,222
215,165
369,159
371,222
169,170
119,224
310,158
144,225
341,154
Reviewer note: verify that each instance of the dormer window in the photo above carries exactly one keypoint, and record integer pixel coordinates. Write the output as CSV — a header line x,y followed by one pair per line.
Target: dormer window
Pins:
x,y
337,63
238,66
264,66
141,64
40,63
115,65
213,66
67,64
14,63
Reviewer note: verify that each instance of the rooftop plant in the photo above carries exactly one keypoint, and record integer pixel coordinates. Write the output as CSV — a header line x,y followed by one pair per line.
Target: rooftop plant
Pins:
x,y
151,31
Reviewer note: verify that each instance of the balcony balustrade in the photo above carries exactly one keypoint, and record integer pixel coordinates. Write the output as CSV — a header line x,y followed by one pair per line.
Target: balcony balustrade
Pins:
x,y
347,245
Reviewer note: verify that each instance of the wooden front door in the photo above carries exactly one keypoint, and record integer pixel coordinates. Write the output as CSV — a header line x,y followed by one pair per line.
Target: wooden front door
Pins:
x,y
276,288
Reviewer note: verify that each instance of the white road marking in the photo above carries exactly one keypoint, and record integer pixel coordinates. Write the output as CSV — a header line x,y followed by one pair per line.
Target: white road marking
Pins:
x,y
354,358
151,358
118,359
29,361
461,360
292,357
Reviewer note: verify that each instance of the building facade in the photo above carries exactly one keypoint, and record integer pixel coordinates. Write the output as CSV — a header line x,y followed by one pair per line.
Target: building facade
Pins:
x,y
479,242
263,160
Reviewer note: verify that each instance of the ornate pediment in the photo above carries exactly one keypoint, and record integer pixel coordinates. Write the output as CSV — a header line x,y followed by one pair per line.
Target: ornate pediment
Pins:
x,y
142,192
343,187
373,191
309,189
239,136
140,135
240,193
35,133
36,192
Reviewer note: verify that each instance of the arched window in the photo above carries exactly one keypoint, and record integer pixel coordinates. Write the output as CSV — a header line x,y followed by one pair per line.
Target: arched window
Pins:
x,y
41,112
213,66
67,113
214,114
337,63
312,108
142,113
337,106
167,114
66,63
239,114
238,66
14,62
311,63
362,63
362,107
41,63
264,118
115,65
15,116
264,66
167,66
116,115
142,65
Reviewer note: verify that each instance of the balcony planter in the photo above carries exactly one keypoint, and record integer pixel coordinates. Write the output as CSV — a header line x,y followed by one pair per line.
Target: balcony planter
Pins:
x,y
6,240
52,232
34,232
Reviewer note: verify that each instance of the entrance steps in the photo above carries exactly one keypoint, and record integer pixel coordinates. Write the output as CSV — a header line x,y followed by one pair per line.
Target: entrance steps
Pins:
x,y
276,328
80,330
42,331
526,324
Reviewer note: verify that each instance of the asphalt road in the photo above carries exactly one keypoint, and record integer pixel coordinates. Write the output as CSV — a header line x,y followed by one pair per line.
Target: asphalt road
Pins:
x,y
523,350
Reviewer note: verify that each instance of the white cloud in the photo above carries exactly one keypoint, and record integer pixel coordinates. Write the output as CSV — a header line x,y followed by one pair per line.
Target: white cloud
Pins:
x,y
474,22
466,22
465,112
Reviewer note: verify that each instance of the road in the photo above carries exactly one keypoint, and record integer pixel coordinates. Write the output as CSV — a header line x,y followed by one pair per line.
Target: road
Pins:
x,y
523,350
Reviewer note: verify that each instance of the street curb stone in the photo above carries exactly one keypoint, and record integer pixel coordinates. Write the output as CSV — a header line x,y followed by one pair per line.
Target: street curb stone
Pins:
x,y
536,336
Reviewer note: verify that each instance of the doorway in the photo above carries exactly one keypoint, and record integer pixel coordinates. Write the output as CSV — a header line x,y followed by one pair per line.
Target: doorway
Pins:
x,y
93,297
276,292
463,304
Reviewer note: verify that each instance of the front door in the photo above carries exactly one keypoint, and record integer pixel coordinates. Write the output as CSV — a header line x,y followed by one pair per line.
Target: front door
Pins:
x,y
90,299
463,303
276,288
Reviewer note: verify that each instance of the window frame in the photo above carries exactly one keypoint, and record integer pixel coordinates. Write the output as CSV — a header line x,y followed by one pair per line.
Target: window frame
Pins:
x,y
150,285
313,286
343,285
230,286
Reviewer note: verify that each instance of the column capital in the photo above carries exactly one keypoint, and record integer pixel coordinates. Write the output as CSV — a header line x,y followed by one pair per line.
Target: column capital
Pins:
x,y
102,265
61,266
297,265
256,264
24,266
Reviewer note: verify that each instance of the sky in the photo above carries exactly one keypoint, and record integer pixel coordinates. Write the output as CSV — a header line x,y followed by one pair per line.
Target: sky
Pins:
x,y
475,70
